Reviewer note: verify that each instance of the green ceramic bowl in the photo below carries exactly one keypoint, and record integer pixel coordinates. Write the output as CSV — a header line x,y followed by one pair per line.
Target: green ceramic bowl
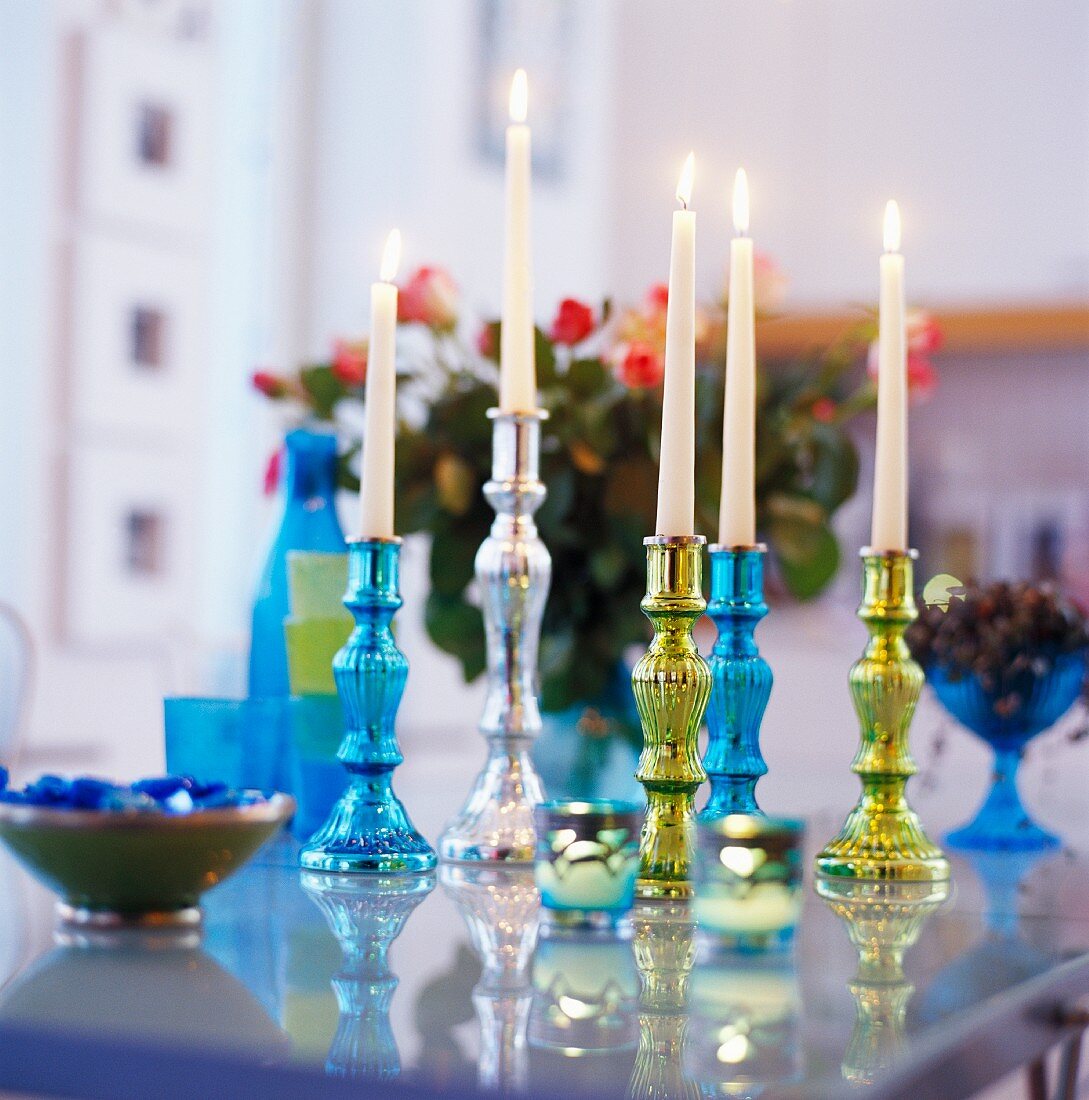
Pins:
x,y
147,868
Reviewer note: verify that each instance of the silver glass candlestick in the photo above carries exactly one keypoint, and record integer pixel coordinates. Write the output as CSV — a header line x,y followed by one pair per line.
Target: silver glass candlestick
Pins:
x,y
513,569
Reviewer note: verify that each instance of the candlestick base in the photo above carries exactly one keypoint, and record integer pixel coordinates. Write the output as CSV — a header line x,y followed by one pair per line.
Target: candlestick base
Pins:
x,y
882,837
513,569
368,830
672,683
740,682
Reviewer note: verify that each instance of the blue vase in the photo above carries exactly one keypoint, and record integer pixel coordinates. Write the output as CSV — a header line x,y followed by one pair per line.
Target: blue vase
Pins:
x,y
309,523
1003,824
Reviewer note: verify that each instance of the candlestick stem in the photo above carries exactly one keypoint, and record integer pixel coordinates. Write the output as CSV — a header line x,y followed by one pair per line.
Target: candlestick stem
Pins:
x,y
740,682
513,569
671,682
882,837
369,829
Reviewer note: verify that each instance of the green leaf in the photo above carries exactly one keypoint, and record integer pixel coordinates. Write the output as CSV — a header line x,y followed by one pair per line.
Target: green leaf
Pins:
x,y
324,389
833,475
807,553
457,628
586,377
546,359
451,565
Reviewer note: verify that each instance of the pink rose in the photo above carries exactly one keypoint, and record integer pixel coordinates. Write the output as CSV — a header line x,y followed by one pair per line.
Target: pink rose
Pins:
x,y
271,385
769,283
824,410
430,297
922,378
485,341
272,471
657,298
574,321
350,362
924,334
640,366
924,337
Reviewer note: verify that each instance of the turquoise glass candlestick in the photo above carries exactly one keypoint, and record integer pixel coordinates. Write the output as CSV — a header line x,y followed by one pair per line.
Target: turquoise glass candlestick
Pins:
x,y
368,829
740,682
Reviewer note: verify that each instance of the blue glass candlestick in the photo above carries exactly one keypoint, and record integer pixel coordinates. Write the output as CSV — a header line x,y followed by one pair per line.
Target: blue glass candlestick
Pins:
x,y
740,682
369,830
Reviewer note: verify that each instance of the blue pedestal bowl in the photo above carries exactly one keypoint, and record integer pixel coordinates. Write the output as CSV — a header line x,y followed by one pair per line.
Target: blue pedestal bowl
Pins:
x,y
1007,720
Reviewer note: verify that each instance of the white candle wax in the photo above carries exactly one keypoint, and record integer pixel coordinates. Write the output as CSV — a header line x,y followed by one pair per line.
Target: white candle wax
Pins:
x,y
380,411
517,369
889,530
737,505
677,465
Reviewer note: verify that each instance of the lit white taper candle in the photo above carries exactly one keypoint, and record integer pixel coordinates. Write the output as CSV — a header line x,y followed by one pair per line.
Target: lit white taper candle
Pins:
x,y
889,531
677,466
737,505
517,369
380,411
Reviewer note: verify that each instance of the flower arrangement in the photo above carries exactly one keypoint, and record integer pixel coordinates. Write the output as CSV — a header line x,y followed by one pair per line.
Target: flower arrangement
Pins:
x,y
600,374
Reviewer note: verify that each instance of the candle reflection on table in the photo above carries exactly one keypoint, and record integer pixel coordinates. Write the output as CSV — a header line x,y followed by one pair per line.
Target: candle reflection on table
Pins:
x,y
745,1025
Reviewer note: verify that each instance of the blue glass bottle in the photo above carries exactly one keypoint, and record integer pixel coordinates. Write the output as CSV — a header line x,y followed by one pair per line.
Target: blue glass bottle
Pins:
x,y
309,523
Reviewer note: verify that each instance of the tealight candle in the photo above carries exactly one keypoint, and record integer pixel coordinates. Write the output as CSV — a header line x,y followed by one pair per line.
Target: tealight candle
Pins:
x,y
748,876
587,860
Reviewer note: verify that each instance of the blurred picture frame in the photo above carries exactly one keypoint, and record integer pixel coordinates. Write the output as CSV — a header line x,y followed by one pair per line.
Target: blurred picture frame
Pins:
x,y
138,320
128,546
146,127
535,35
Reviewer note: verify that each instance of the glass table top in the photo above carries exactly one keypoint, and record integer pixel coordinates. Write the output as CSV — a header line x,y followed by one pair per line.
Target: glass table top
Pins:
x,y
443,980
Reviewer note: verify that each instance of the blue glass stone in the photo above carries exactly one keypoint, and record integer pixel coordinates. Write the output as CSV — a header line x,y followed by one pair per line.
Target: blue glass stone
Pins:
x,y
162,788
49,790
86,793
169,794
3,778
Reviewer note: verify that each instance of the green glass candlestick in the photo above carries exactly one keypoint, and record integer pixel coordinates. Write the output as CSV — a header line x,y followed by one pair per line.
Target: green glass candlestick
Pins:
x,y
672,684
883,837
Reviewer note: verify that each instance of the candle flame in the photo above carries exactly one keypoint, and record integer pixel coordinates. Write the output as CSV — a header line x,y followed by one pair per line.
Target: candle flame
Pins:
x,y
519,96
391,257
892,226
741,203
684,184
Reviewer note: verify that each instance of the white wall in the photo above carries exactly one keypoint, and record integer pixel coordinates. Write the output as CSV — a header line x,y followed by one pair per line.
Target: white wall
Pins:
x,y
393,143
975,117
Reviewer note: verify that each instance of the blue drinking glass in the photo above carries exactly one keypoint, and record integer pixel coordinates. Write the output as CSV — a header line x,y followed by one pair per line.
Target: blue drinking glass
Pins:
x,y
1003,824
240,742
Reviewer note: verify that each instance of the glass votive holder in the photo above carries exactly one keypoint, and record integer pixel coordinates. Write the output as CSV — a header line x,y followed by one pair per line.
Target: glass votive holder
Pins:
x,y
587,861
240,742
748,882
